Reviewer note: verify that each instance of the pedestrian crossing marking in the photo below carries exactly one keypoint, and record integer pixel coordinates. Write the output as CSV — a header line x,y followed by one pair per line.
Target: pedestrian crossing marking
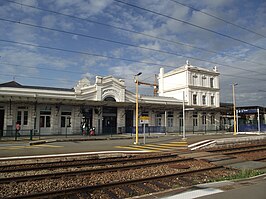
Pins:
x,y
159,147
175,144
145,147
29,147
179,143
51,146
156,147
128,147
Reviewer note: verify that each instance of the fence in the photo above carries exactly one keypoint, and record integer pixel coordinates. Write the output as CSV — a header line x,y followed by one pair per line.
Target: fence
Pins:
x,y
251,128
175,129
29,134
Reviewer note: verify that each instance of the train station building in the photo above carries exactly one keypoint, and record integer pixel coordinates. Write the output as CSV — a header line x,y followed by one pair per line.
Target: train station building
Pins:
x,y
108,106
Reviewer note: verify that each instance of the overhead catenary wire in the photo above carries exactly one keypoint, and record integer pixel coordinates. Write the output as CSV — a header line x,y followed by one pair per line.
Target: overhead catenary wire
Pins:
x,y
122,43
218,18
81,52
191,24
41,68
135,32
173,66
36,77
111,57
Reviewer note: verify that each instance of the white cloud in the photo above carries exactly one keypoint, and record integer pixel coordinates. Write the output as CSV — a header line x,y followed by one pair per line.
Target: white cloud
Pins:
x,y
49,21
246,13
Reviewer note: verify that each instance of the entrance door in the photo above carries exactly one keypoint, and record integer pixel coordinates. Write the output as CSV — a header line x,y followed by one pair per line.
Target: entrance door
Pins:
x,y
129,121
2,116
109,120
87,120
66,123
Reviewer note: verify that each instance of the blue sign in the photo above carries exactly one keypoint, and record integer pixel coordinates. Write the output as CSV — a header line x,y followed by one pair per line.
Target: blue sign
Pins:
x,y
245,111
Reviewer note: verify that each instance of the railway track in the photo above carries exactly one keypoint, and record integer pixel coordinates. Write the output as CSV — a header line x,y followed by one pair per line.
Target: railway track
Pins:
x,y
79,163
239,148
115,177
108,187
90,171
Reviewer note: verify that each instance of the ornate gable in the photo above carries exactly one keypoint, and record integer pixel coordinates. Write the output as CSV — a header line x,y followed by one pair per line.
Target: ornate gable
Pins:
x,y
110,87
103,88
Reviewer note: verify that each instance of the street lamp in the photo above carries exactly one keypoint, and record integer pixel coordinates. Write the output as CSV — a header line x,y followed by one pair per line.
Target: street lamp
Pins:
x,y
234,102
137,107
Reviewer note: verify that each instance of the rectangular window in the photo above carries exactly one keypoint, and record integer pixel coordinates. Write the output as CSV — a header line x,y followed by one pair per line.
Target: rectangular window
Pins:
x,y
212,118
204,99
194,79
203,80
181,119
204,118
63,121
195,119
19,117
211,82
22,117
48,122
45,119
194,99
170,119
212,100
66,119
25,118
158,119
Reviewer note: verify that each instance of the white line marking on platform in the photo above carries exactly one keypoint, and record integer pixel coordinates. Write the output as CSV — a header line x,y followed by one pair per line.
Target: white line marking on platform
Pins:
x,y
198,143
208,143
67,154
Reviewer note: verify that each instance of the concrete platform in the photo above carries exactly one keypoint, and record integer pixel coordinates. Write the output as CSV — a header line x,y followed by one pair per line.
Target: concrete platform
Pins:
x,y
227,162
248,165
216,158
195,155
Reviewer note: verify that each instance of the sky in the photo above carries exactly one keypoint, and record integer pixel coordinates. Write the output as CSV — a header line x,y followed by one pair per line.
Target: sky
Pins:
x,y
55,43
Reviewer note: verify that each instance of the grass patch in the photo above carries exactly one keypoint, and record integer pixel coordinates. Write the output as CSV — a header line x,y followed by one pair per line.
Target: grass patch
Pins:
x,y
242,174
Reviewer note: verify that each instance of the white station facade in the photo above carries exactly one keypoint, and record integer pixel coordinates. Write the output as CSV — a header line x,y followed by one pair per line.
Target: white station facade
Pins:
x,y
109,107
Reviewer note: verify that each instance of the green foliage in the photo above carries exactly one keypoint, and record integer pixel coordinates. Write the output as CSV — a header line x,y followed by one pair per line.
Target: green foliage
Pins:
x,y
245,173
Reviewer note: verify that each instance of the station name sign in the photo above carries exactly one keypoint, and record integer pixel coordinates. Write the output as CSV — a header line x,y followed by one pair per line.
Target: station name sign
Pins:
x,y
243,111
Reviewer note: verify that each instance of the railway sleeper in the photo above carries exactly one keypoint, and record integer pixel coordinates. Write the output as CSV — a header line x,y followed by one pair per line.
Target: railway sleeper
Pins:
x,y
160,185
129,190
111,194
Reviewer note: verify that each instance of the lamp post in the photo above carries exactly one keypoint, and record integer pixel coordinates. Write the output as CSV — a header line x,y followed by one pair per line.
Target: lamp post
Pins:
x,y
137,108
234,102
184,118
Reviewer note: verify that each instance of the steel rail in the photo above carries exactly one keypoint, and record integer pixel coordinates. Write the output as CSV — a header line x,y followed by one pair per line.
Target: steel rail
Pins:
x,y
72,163
244,151
74,173
237,148
72,191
